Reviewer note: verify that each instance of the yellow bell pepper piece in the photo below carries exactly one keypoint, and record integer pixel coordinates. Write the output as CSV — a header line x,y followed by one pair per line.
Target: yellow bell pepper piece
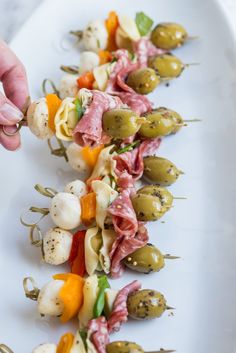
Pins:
x,y
71,294
90,155
65,343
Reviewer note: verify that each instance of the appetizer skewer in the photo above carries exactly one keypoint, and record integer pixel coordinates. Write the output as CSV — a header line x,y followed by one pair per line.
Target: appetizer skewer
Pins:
x,y
69,295
76,343
90,250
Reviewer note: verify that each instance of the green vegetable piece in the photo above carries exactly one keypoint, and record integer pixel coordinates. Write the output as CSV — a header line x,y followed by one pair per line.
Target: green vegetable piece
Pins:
x,y
129,147
103,284
144,23
79,109
84,335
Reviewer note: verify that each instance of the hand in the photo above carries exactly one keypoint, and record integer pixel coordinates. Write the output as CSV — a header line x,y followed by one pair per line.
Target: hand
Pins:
x,y
14,80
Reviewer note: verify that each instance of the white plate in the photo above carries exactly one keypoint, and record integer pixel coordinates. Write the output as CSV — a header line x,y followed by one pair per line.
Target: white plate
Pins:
x,y
202,285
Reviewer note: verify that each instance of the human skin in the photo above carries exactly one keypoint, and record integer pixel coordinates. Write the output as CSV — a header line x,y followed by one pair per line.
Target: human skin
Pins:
x,y
14,81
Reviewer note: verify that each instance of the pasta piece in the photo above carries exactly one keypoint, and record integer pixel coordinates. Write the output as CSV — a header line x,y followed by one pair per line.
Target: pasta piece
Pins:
x,y
90,292
66,119
92,244
108,238
78,344
105,164
105,195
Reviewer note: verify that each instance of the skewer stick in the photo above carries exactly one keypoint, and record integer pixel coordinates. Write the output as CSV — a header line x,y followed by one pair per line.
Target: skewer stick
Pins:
x,y
170,257
5,349
180,198
44,87
59,152
73,69
78,34
48,192
31,293
191,64
192,37
162,351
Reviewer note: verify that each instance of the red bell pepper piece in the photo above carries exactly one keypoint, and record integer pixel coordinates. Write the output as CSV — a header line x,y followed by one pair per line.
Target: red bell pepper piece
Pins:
x,y
77,255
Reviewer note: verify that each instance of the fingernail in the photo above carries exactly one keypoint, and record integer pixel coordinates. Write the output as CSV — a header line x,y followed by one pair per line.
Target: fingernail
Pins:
x,y
10,113
10,129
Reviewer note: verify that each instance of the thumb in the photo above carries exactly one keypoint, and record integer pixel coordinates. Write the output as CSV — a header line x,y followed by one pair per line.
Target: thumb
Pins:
x,y
9,113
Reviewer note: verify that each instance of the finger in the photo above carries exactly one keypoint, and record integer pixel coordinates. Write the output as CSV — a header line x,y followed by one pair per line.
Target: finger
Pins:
x,y
13,76
9,113
11,143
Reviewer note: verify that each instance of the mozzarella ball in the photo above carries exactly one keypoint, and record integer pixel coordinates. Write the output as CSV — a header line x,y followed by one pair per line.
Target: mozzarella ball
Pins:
x,y
37,119
95,36
49,302
88,61
76,160
57,246
68,86
65,210
77,188
46,348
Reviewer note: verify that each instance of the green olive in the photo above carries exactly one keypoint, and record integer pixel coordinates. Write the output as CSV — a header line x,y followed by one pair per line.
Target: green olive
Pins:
x,y
123,347
168,35
121,123
160,171
143,81
146,259
156,125
166,66
165,197
146,304
147,207
174,116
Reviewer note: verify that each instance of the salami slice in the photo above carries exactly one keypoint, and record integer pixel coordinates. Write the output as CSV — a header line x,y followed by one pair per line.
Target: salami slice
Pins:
x,y
123,216
119,313
125,247
120,71
88,131
98,333
132,162
137,102
144,48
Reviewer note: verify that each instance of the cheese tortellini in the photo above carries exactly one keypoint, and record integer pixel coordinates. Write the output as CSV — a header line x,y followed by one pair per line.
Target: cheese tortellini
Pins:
x,y
66,119
90,292
105,165
105,195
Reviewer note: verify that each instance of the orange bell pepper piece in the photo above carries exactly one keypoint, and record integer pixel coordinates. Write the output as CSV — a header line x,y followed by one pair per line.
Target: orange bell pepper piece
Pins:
x,y
86,80
65,343
112,23
53,103
71,294
90,155
104,56
88,208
